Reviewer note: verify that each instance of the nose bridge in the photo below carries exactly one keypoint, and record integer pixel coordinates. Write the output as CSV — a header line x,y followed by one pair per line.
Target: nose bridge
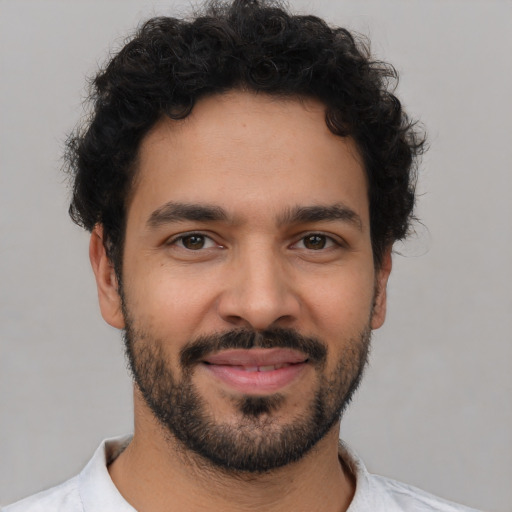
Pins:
x,y
259,292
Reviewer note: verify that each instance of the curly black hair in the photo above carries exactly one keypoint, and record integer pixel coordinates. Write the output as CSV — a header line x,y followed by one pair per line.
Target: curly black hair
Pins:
x,y
254,45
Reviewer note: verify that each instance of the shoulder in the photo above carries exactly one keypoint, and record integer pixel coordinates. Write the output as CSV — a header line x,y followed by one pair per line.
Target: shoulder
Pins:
x,y
91,490
404,497
376,493
64,497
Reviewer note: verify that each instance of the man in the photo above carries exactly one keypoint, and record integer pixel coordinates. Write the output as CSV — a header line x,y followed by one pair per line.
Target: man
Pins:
x,y
244,177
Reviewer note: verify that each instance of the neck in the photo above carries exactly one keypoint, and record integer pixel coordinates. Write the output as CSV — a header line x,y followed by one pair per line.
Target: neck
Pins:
x,y
155,473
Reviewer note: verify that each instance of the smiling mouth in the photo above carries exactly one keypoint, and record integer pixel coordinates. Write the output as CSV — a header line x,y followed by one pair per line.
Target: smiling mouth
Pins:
x,y
265,368
256,357
256,371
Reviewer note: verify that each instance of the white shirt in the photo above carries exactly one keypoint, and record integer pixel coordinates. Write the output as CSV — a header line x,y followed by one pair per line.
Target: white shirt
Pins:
x,y
93,490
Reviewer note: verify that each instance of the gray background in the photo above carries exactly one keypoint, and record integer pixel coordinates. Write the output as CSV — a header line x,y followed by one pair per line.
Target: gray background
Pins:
x,y
435,408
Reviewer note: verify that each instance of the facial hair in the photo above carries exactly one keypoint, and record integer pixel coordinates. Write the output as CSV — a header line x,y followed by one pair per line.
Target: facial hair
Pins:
x,y
257,442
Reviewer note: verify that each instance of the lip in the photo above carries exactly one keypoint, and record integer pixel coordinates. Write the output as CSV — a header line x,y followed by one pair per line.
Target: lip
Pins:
x,y
256,357
250,372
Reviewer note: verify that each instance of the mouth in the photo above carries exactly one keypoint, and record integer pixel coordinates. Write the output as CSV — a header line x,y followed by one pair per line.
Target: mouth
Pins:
x,y
256,371
265,368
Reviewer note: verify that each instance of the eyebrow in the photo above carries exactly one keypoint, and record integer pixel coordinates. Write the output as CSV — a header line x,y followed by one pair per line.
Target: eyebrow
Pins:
x,y
179,212
307,214
176,212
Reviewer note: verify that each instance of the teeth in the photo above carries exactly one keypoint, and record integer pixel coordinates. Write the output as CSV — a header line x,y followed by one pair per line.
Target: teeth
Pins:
x,y
267,368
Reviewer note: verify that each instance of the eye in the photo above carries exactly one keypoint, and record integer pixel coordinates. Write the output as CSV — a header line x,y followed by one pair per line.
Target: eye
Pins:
x,y
194,242
315,242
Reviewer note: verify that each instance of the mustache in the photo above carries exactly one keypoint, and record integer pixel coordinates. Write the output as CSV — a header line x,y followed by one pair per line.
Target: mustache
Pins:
x,y
195,351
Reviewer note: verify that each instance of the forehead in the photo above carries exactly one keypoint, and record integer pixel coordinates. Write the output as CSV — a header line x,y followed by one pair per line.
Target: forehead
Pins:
x,y
244,149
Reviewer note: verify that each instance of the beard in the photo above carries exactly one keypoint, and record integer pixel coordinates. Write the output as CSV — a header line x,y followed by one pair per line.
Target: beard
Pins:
x,y
257,442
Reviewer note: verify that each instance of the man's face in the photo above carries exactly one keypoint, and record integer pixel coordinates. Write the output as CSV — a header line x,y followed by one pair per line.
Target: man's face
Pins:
x,y
248,282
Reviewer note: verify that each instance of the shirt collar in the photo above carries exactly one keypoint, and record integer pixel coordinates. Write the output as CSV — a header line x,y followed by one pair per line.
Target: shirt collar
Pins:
x,y
97,491
99,494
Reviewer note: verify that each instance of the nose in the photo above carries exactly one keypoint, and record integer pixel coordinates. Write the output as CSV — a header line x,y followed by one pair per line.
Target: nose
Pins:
x,y
259,292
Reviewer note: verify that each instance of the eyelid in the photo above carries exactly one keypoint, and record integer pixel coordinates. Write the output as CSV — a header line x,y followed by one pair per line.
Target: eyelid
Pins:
x,y
173,240
336,240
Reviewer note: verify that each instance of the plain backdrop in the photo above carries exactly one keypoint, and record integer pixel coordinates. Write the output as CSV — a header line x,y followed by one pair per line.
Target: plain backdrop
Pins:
x,y
435,409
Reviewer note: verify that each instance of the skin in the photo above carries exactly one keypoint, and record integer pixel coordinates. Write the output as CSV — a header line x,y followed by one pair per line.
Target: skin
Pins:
x,y
257,158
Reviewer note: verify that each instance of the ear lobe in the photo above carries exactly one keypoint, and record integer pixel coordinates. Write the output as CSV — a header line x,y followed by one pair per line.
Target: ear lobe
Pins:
x,y
106,280
381,282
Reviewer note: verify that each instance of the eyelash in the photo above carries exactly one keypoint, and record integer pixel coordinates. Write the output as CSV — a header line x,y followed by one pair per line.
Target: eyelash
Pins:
x,y
180,238
329,241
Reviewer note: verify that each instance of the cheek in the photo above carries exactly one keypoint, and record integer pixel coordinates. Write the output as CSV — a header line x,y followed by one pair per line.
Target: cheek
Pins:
x,y
169,303
342,304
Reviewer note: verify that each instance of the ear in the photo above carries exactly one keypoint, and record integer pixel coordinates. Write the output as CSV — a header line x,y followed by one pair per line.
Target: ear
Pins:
x,y
381,282
106,280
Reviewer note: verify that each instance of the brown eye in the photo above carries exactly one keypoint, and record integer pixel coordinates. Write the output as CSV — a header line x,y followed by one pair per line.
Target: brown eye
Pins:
x,y
193,242
315,242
